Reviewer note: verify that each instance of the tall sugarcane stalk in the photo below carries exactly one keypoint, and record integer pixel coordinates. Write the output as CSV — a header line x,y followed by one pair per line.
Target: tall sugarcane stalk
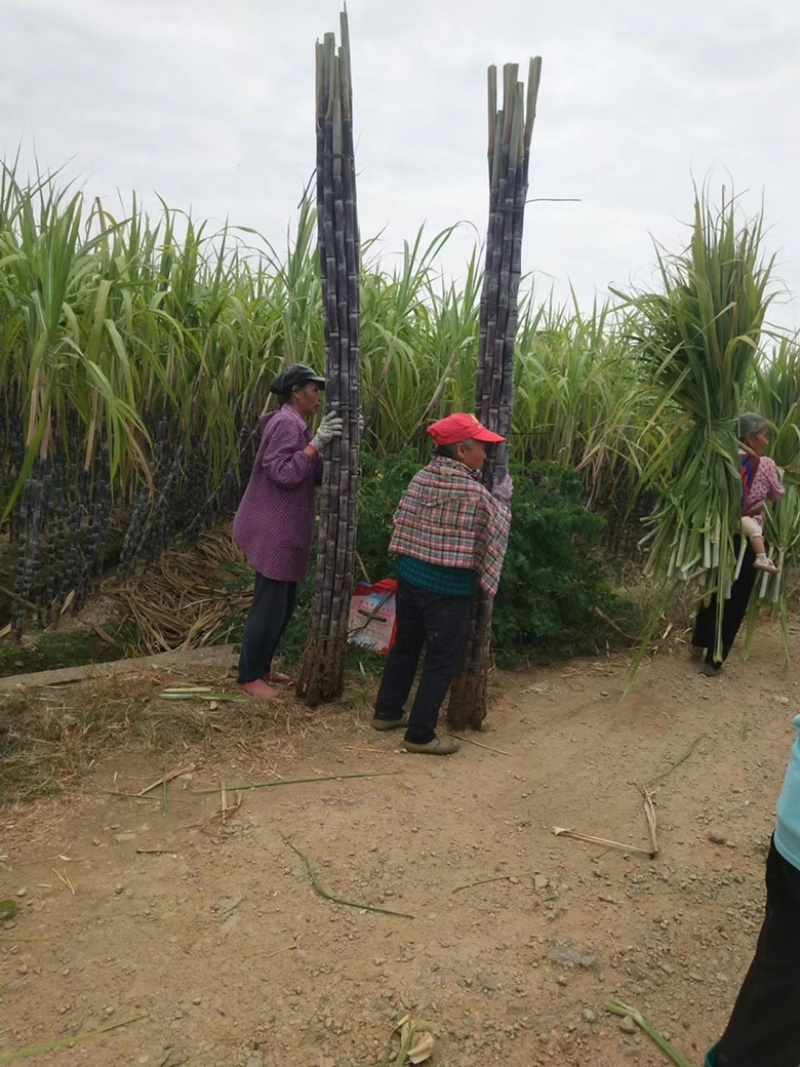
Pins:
x,y
322,674
510,133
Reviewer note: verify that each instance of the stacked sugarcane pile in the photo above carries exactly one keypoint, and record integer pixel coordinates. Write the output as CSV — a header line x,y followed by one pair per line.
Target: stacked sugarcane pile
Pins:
x,y
698,342
510,132
322,674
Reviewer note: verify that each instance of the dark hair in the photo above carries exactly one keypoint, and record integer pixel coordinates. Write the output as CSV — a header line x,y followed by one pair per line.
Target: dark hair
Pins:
x,y
450,451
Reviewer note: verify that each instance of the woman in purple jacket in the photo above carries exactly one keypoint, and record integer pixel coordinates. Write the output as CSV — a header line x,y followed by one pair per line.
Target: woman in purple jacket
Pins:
x,y
274,525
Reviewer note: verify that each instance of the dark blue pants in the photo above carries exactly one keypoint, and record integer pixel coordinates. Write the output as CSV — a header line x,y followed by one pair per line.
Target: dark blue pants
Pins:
x,y
438,624
764,1028
272,607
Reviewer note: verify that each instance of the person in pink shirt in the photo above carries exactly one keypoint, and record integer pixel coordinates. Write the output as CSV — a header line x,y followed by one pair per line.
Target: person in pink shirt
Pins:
x,y
274,524
765,484
753,433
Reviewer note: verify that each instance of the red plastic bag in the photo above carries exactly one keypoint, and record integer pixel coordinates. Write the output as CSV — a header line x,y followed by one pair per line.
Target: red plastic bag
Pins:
x,y
373,617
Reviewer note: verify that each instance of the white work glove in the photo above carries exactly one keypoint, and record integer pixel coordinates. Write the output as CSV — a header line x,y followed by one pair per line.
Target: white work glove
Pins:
x,y
503,489
330,427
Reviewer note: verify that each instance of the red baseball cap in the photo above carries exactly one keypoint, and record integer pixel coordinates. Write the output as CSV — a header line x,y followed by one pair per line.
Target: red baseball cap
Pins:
x,y
460,427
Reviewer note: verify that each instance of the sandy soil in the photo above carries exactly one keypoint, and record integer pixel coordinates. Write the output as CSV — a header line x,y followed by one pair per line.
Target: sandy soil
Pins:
x,y
222,943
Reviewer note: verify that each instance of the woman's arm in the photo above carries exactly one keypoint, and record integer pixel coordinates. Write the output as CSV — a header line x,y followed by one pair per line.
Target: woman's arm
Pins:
x,y
288,460
775,487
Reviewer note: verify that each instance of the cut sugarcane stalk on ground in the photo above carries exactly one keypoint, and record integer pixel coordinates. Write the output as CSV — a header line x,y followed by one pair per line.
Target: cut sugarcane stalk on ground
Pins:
x,y
510,133
697,342
617,1007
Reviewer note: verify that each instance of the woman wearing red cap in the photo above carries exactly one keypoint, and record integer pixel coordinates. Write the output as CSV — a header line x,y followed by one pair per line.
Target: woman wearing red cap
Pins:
x,y
274,525
450,534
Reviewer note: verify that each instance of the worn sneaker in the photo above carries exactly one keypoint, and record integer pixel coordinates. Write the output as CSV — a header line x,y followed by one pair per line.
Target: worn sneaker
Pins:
x,y
440,746
696,653
388,724
711,670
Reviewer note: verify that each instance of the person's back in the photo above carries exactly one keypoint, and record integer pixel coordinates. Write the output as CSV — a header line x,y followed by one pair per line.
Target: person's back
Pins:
x,y
447,519
449,534
787,829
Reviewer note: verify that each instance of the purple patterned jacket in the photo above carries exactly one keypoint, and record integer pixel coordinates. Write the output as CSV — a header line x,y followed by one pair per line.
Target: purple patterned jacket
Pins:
x,y
274,524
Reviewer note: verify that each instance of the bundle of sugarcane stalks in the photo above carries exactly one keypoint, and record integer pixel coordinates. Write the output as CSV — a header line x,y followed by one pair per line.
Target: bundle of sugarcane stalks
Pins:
x,y
322,674
698,342
510,132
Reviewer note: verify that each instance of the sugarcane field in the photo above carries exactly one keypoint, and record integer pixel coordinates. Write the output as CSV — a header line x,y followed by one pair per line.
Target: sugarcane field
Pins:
x,y
328,442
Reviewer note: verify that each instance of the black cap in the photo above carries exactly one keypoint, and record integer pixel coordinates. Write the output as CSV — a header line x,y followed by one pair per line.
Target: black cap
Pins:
x,y
297,374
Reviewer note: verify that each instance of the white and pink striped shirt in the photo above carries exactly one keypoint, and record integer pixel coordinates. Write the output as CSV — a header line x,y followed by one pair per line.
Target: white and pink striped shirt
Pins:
x,y
766,485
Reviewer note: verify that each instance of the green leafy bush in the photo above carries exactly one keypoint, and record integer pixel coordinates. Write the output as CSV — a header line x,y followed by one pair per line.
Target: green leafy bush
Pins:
x,y
382,484
554,576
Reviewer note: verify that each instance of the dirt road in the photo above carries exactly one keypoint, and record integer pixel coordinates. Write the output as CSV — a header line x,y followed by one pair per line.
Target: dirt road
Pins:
x,y
221,941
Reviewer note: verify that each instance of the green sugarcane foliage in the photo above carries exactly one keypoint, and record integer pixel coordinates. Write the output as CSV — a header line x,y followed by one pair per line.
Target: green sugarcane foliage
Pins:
x,y
158,368
128,418
777,398
697,342
131,373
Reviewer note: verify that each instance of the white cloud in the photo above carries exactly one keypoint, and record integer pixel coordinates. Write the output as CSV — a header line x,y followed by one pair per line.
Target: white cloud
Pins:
x,y
211,105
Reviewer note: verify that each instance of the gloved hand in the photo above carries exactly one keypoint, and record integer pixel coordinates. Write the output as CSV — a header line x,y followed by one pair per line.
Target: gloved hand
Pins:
x,y
330,427
503,489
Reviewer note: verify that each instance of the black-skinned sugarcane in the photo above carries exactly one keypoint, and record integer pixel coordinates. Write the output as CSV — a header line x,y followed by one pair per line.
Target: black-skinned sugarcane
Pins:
x,y
510,134
322,674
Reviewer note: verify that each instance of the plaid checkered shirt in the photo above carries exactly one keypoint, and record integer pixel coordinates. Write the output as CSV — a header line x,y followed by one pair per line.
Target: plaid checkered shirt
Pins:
x,y
448,518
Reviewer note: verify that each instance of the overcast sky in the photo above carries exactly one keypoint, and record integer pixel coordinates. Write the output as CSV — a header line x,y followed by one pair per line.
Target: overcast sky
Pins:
x,y
210,104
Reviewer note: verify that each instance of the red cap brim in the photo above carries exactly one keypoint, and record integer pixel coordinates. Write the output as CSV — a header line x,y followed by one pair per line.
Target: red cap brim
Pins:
x,y
486,436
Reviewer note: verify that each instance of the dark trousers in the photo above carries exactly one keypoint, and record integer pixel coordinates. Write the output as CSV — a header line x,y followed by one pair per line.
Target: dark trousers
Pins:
x,y
705,627
438,624
272,607
764,1029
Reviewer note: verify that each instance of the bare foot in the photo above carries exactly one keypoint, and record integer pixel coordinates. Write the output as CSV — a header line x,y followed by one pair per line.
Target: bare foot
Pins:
x,y
259,690
278,678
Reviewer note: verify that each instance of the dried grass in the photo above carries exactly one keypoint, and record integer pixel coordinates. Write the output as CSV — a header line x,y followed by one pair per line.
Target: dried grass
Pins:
x,y
50,740
189,598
